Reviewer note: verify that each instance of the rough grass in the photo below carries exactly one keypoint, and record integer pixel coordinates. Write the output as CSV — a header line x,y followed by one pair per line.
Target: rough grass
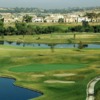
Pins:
x,y
56,38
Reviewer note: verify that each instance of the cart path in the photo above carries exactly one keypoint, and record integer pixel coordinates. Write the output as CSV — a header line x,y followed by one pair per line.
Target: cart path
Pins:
x,y
90,88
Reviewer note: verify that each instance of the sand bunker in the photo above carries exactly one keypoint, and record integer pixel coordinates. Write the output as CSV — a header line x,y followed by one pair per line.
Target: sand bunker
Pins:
x,y
58,81
63,75
38,75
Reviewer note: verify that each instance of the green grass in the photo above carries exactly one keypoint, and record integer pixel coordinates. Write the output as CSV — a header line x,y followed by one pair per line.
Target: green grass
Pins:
x,y
34,61
46,67
56,38
44,61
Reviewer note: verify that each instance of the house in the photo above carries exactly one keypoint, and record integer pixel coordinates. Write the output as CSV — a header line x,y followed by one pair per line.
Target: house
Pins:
x,y
80,19
38,19
98,19
70,19
53,18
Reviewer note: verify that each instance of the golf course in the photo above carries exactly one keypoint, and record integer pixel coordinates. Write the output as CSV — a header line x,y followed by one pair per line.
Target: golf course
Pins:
x,y
59,74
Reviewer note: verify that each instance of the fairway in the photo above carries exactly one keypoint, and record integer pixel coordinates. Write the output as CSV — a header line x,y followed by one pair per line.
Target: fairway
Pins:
x,y
46,67
35,68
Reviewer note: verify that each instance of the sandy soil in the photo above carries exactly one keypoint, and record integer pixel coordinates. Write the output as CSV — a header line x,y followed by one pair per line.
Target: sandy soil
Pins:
x,y
64,75
58,81
39,75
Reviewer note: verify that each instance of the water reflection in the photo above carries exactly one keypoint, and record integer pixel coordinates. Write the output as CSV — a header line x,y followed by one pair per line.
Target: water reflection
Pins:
x,y
18,43
38,45
1,42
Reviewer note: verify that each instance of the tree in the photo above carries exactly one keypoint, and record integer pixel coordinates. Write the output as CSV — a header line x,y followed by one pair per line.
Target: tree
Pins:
x,y
10,30
37,30
2,22
91,16
80,46
52,47
96,28
51,29
30,29
21,28
27,18
61,20
2,31
74,36
85,23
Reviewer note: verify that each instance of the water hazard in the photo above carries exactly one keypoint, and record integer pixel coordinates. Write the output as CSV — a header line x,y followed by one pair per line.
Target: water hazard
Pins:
x,y
36,45
8,91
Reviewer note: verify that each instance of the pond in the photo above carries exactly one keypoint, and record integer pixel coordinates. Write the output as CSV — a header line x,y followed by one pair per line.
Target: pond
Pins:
x,y
42,45
8,91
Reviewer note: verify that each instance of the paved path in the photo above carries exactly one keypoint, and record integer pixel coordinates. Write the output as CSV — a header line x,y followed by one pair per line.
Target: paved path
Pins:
x,y
90,88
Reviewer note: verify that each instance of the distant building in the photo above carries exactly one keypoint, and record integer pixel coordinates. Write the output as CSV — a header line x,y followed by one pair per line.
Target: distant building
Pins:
x,y
80,19
70,18
38,19
53,18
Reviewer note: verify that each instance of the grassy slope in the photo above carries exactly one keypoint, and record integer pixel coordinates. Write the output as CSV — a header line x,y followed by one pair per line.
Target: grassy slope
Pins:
x,y
53,24
57,38
13,57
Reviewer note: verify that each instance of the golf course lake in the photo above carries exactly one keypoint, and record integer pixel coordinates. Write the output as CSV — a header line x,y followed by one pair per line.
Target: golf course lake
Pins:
x,y
9,91
36,45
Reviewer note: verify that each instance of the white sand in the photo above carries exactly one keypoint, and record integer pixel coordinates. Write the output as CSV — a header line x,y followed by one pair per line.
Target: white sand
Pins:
x,y
38,75
58,81
63,75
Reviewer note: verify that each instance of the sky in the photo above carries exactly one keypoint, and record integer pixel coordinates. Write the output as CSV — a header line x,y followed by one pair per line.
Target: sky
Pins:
x,y
49,4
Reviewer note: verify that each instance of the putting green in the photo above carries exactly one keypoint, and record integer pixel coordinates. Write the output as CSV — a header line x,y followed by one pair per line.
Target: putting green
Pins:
x,y
46,67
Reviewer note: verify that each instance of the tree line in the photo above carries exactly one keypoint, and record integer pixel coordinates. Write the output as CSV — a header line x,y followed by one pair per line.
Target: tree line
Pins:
x,y
85,27
22,28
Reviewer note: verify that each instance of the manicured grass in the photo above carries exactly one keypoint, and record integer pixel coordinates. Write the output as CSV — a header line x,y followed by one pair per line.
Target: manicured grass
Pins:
x,y
46,67
33,61
30,61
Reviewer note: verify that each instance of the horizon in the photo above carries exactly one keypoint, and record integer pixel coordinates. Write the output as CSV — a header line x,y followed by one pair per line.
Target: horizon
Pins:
x,y
54,8
49,4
